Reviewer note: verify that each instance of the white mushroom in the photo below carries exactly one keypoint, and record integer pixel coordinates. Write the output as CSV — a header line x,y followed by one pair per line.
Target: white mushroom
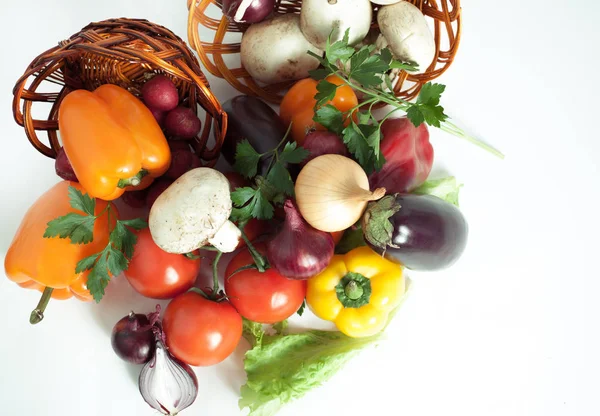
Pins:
x,y
405,31
276,50
319,18
385,2
193,212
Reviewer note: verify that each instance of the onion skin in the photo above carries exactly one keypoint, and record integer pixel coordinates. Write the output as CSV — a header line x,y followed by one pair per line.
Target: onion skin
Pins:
x,y
130,343
299,251
323,143
247,11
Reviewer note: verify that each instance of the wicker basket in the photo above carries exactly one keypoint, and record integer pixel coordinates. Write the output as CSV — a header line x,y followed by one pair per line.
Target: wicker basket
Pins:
x,y
117,51
443,14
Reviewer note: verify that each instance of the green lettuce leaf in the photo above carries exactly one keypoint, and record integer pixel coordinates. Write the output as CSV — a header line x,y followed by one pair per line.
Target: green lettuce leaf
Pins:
x,y
444,188
284,367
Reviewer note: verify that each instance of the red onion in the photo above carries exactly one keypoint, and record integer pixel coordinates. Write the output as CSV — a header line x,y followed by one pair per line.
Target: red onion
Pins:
x,y
247,11
323,143
299,251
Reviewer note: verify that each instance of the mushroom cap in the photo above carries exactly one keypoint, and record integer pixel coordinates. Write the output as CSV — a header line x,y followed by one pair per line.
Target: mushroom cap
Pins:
x,y
190,211
407,33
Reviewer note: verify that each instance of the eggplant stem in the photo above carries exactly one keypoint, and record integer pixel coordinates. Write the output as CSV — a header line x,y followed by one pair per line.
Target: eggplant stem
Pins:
x,y
38,313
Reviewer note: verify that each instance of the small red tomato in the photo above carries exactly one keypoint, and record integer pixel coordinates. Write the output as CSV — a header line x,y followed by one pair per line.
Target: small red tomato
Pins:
x,y
199,331
262,297
157,274
337,236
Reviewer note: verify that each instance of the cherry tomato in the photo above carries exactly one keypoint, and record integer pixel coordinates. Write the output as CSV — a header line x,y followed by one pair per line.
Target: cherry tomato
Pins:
x,y
262,297
297,106
254,228
157,274
337,236
199,331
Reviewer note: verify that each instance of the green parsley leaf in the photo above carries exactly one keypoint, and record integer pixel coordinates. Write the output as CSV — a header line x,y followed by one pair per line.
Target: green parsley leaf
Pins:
x,y
292,153
300,310
79,228
415,115
339,50
81,202
388,83
241,196
116,261
371,71
358,146
430,94
357,59
331,118
136,223
123,239
86,263
319,58
98,278
319,73
386,56
246,159
325,92
433,114
280,178
403,66
372,135
262,209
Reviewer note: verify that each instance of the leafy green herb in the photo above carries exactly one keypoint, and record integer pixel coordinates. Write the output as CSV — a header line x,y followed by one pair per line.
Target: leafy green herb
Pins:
x,y
365,70
257,201
114,258
284,367
300,310
352,238
444,188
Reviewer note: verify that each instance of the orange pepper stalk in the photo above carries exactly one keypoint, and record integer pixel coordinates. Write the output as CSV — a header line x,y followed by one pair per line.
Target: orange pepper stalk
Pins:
x,y
112,140
48,264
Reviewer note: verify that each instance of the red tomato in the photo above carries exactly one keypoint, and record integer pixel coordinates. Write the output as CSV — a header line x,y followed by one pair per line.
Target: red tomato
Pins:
x,y
337,236
199,331
262,297
157,274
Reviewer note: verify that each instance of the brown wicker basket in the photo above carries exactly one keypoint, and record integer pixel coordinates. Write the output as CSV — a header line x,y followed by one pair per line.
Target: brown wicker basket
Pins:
x,y
122,52
444,16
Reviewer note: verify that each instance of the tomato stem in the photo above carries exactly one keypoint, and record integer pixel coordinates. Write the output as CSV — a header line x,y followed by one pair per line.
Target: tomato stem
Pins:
x,y
259,259
38,313
215,271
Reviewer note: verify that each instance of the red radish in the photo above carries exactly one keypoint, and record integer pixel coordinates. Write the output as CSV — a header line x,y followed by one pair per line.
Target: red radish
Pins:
x,y
323,142
160,93
408,156
182,122
63,167
156,189
182,159
159,115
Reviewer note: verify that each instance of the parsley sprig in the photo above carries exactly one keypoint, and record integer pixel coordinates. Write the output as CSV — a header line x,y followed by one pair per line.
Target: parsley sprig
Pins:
x,y
365,70
79,229
257,201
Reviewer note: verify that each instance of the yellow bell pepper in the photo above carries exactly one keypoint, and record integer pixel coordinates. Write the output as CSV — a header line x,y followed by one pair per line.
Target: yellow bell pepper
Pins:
x,y
357,291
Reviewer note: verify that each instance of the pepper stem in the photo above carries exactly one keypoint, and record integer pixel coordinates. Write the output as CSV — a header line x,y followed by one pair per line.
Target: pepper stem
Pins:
x,y
38,313
353,290
134,180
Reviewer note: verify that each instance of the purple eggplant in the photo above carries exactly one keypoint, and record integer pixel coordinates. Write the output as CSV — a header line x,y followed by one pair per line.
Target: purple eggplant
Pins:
x,y
252,119
422,232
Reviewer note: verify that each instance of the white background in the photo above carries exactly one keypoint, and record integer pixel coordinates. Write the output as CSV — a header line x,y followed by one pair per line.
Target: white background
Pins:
x,y
512,329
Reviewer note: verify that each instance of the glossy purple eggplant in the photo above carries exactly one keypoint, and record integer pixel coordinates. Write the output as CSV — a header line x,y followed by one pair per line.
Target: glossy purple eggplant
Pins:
x,y
252,119
422,232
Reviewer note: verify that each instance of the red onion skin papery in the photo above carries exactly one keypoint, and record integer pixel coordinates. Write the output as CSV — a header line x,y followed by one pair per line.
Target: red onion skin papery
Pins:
x,y
248,11
299,251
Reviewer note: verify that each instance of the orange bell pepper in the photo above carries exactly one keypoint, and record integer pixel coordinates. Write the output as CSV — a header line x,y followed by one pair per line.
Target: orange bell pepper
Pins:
x,y
48,264
112,140
297,106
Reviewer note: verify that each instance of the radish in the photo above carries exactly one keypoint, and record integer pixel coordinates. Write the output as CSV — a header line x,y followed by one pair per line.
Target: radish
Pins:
x,y
194,212
275,50
405,31
319,18
160,93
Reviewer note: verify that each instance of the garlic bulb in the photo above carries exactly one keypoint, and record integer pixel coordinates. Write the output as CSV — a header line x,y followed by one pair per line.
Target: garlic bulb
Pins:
x,y
332,192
